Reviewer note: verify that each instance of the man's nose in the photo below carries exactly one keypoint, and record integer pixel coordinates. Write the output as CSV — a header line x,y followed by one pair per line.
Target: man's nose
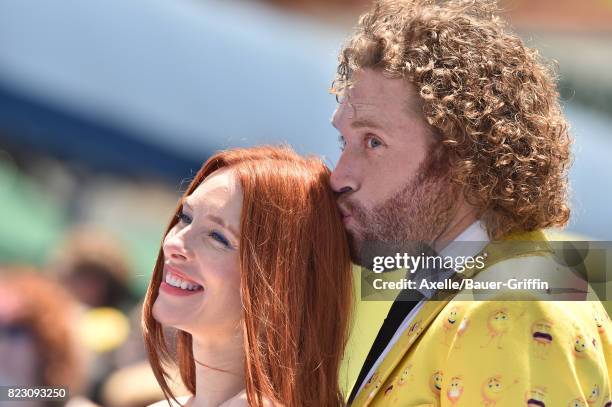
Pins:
x,y
343,178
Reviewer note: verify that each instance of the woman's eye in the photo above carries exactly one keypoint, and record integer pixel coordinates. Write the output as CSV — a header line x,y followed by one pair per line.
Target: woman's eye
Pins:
x,y
220,238
184,218
373,142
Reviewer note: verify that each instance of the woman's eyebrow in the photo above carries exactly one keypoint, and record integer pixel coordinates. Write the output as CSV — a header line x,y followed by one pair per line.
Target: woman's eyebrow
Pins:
x,y
213,218
185,202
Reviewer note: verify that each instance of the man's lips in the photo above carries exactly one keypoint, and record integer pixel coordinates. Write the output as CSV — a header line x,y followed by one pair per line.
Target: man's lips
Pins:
x,y
344,212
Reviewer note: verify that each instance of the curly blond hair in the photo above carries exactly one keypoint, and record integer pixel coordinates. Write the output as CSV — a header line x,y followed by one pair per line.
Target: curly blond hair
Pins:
x,y
492,100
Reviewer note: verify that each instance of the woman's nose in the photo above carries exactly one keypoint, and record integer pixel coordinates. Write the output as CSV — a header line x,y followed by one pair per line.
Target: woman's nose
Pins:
x,y
175,248
178,256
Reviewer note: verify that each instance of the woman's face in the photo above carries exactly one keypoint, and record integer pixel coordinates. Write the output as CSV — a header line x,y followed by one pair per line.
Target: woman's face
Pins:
x,y
200,290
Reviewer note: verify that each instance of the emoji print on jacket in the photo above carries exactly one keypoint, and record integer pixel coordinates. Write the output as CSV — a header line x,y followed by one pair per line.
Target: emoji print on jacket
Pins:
x,y
435,383
593,397
404,376
375,386
455,390
493,389
536,397
371,380
577,403
599,322
580,346
542,337
451,321
497,326
402,380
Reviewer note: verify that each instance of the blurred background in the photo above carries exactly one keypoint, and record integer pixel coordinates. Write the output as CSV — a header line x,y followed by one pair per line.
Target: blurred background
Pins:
x,y
108,108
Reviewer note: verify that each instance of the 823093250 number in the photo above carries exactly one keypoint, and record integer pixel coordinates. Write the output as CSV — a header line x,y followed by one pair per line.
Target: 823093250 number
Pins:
x,y
18,393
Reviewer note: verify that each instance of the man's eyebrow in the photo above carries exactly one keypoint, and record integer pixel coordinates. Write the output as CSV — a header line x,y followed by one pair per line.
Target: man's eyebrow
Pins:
x,y
220,222
365,123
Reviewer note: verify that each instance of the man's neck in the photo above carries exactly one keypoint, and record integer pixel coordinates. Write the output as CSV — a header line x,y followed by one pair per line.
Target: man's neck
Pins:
x,y
464,218
223,377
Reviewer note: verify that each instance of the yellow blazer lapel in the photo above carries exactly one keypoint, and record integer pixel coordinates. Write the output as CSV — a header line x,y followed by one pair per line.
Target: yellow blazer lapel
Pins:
x,y
419,324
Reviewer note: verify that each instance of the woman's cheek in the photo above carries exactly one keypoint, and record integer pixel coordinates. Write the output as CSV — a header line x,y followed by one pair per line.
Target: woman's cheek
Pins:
x,y
222,267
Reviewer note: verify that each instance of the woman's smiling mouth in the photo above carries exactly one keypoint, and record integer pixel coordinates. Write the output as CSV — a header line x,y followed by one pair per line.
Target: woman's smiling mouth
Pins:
x,y
177,284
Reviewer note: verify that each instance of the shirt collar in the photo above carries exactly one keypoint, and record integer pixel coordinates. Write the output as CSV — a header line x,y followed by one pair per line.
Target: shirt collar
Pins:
x,y
474,238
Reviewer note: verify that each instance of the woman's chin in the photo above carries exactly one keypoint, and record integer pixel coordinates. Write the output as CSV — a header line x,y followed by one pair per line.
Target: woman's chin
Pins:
x,y
165,315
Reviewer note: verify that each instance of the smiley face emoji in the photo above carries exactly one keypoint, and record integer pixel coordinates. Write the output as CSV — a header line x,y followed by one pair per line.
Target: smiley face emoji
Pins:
x,y
493,385
499,321
452,317
491,390
594,395
436,381
580,346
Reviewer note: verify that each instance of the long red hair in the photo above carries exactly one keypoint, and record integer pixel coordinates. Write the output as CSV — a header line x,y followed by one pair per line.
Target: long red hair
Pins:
x,y
296,284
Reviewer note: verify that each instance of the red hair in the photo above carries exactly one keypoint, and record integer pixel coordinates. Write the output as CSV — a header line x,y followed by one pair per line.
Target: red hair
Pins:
x,y
296,284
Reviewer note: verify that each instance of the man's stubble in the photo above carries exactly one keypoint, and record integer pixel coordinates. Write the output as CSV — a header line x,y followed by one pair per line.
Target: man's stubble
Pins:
x,y
411,219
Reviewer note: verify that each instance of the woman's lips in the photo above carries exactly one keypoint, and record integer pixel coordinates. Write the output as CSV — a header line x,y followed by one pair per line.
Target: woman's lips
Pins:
x,y
176,283
178,273
169,289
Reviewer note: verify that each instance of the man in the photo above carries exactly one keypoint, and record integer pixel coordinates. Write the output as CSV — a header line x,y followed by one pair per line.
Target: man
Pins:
x,y
451,130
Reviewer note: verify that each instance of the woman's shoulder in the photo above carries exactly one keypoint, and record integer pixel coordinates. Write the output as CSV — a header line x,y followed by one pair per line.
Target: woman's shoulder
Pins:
x,y
164,403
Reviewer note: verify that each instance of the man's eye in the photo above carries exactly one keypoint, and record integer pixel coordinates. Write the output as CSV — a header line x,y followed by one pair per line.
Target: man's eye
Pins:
x,y
341,142
184,218
373,142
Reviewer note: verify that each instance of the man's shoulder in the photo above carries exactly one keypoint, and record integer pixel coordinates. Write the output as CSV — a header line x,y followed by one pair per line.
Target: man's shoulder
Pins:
x,y
532,277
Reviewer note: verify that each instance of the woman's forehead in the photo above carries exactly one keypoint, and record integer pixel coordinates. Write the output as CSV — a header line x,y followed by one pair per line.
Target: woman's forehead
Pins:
x,y
220,190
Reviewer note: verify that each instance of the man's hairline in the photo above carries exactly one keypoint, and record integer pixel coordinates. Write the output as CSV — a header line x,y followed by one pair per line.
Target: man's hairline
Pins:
x,y
411,107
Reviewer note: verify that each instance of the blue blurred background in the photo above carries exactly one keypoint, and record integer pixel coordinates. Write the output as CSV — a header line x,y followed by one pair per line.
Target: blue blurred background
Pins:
x,y
107,108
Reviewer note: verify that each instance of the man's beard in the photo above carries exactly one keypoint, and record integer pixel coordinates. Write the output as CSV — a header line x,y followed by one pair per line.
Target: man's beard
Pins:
x,y
409,221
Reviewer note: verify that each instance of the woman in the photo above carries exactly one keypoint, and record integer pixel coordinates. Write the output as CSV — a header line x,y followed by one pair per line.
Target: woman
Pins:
x,y
254,274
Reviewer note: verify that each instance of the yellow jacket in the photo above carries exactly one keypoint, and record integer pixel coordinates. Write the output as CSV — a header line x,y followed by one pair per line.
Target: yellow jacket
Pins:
x,y
498,353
